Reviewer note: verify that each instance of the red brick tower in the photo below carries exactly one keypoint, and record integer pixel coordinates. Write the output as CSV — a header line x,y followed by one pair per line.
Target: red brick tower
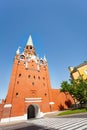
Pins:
x,y
29,84
30,93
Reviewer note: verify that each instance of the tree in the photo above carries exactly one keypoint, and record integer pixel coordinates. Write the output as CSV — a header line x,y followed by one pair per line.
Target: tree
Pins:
x,y
76,88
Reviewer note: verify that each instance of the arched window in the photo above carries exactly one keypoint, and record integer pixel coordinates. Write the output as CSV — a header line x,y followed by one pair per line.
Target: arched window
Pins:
x,y
17,94
38,77
19,75
33,83
30,47
34,76
43,78
17,82
22,56
29,76
26,47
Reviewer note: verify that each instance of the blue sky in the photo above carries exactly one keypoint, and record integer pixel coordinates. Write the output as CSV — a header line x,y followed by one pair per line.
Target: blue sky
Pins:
x,y
59,31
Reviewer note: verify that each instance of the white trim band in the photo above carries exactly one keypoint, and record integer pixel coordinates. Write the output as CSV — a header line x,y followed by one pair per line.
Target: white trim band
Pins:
x,y
51,103
7,105
33,99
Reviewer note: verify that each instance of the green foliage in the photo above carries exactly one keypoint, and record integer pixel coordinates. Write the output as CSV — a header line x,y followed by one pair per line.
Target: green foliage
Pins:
x,y
76,88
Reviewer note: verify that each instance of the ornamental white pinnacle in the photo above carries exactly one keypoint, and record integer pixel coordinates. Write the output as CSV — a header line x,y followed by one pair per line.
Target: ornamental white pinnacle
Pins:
x,y
18,50
45,58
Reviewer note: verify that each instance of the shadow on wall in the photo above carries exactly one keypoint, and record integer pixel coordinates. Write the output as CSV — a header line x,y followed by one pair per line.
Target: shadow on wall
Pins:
x,y
68,104
61,107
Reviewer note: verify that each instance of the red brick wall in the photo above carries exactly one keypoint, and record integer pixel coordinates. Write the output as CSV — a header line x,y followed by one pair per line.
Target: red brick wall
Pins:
x,y
62,100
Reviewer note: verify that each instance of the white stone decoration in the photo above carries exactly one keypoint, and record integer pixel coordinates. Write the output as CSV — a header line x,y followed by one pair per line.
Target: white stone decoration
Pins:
x,y
17,118
33,99
20,118
51,103
18,51
7,105
32,57
45,58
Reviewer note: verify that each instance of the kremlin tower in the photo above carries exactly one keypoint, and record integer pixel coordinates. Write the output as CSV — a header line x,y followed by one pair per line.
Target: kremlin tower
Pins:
x,y
29,93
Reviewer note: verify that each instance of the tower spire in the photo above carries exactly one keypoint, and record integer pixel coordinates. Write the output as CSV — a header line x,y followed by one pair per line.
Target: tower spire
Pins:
x,y
29,42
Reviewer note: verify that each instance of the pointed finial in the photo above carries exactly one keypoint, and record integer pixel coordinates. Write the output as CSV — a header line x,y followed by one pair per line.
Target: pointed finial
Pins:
x,y
38,56
45,58
18,50
30,42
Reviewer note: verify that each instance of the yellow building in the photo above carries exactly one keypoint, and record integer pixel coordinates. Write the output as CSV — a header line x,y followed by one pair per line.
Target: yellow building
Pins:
x,y
80,70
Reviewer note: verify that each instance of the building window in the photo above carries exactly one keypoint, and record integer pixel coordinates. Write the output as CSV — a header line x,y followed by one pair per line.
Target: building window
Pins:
x,y
17,82
38,77
34,76
17,94
30,47
29,76
43,78
33,83
18,62
26,47
86,72
22,56
19,75
41,62
45,94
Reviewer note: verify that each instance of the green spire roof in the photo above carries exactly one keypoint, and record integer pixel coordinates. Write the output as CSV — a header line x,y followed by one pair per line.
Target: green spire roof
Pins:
x,y
29,42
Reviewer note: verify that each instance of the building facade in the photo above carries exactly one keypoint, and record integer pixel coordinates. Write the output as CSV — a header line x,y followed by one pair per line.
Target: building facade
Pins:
x,y
29,93
80,70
